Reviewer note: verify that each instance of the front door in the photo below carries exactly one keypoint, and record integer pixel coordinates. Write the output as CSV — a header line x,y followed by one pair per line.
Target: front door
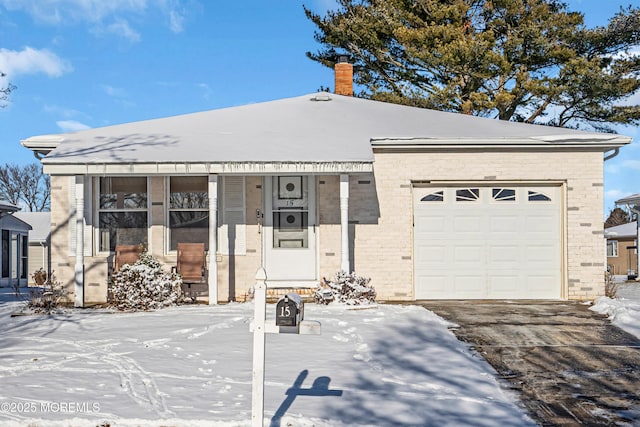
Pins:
x,y
289,228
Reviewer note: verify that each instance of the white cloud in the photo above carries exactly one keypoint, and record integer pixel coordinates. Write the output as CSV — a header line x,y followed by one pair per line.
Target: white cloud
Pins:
x,y
32,61
71,11
611,168
176,21
206,90
71,125
115,92
122,28
104,16
614,194
632,164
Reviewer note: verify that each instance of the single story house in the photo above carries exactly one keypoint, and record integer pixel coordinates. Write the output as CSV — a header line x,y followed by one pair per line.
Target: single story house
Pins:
x,y
622,249
39,248
14,249
429,204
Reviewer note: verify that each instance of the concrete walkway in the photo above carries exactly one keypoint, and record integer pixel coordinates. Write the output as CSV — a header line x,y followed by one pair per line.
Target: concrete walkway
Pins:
x,y
570,366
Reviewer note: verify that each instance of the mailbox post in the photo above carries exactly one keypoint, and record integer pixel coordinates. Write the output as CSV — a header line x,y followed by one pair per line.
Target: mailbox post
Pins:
x,y
289,319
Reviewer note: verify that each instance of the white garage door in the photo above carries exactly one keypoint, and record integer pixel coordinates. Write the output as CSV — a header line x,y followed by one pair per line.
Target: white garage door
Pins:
x,y
487,242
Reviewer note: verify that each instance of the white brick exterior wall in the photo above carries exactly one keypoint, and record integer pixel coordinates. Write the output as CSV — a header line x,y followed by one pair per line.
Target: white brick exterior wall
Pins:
x,y
381,220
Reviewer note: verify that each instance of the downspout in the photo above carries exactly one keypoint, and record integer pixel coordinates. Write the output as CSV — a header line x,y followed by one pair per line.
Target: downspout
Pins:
x,y
616,151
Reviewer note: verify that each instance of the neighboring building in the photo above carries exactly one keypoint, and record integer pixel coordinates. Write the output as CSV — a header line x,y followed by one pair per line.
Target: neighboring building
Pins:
x,y
39,248
430,205
622,249
14,247
632,203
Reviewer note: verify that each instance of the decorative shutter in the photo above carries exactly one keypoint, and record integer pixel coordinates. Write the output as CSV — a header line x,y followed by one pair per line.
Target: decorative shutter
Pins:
x,y
233,217
72,216
88,229
88,216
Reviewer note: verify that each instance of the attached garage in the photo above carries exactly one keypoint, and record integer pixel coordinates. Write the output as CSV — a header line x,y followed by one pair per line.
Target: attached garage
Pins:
x,y
488,242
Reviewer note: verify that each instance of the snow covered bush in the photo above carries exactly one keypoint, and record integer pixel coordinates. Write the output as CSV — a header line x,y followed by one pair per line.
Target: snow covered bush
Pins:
x,y
48,297
346,288
144,286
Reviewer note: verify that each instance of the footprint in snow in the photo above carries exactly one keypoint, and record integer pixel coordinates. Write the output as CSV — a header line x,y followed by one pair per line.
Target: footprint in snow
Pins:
x,y
341,338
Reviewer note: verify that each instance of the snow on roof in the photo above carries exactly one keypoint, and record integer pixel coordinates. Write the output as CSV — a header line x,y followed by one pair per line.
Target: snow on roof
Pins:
x,y
624,230
318,127
40,223
633,199
5,206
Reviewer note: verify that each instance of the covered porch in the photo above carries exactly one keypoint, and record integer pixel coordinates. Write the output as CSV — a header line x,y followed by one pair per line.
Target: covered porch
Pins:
x,y
295,225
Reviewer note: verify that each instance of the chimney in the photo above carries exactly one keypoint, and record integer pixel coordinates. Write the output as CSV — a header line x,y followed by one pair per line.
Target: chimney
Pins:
x,y
344,77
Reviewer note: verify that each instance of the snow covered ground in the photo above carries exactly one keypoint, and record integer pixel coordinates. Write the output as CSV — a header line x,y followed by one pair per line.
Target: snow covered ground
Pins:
x,y
624,310
191,366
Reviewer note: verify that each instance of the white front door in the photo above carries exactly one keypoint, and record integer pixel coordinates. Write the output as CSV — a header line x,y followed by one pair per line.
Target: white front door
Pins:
x,y
289,228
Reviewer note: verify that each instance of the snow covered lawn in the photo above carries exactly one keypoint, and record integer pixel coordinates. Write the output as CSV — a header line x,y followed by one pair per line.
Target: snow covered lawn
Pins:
x,y
191,365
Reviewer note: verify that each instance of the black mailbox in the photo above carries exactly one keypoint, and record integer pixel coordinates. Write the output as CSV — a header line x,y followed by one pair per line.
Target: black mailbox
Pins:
x,y
289,310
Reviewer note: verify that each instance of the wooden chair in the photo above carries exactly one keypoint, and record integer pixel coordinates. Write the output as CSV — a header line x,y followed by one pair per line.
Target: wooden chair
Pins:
x,y
192,267
125,254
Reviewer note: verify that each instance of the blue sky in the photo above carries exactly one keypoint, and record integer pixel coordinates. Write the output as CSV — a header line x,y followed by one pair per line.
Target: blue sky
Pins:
x,y
90,63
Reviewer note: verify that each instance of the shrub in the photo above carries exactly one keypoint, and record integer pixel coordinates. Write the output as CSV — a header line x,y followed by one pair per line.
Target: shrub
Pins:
x,y
48,297
610,286
346,288
144,286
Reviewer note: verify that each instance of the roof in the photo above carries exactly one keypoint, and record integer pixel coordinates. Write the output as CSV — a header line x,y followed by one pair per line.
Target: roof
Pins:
x,y
633,199
5,206
40,223
11,222
314,129
619,231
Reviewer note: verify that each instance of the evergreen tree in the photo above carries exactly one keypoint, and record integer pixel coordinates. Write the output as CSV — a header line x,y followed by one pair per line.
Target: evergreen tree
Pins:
x,y
521,60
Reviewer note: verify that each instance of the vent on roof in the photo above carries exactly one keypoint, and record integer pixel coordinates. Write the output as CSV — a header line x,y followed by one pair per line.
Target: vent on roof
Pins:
x,y
321,97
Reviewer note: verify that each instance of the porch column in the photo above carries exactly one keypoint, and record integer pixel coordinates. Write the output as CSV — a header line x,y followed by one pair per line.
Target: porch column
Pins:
x,y
213,239
79,266
344,222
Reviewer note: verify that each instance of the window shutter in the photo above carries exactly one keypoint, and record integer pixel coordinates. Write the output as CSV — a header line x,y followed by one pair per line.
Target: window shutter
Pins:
x,y
233,222
88,216
88,229
72,216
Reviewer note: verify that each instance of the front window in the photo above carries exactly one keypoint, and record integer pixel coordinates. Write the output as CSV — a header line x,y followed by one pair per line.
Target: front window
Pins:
x,y
188,211
24,261
612,248
122,212
5,253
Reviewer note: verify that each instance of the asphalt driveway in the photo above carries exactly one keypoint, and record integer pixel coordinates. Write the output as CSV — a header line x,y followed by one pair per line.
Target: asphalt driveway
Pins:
x,y
570,365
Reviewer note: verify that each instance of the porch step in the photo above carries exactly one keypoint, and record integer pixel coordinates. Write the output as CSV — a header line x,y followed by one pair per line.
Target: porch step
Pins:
x,y
274,294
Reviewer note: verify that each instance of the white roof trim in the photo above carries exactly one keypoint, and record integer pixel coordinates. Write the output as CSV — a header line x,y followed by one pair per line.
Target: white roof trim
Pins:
x,y
227,168
582,141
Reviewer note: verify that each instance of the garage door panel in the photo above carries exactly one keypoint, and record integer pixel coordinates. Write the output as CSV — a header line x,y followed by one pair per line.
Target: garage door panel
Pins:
x,y
467,224
541,254
504,224
500,255
468,254
429,224
542,286
488,248
470,286
431,254
438,285
503,286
